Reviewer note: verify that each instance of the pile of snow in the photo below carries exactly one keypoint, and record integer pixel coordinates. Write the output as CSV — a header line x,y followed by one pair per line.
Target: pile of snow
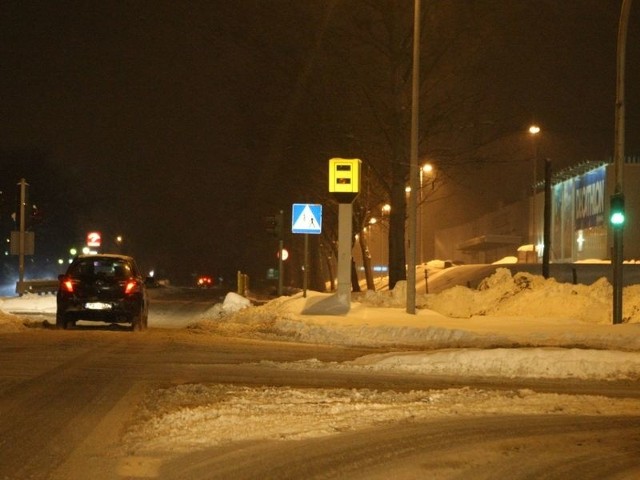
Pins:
x,y
505,311
527,295
10,322
232,303
191,417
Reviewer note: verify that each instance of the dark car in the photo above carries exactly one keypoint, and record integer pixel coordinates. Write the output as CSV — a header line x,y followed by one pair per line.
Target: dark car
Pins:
x,y
204,281
102,288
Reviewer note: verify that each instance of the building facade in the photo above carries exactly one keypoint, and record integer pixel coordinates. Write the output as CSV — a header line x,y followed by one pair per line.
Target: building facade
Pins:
x,y
579,223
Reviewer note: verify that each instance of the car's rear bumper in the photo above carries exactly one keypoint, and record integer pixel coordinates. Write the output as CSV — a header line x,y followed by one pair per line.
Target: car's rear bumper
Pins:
x,y
120,311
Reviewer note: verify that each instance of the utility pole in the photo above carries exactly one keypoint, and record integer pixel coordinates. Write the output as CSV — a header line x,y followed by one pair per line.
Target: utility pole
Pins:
x,y
413,166
618,159
21,233
546,252
280,234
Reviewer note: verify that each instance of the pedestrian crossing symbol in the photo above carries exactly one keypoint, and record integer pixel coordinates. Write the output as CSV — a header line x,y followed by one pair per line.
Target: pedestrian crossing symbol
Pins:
x,y
306,218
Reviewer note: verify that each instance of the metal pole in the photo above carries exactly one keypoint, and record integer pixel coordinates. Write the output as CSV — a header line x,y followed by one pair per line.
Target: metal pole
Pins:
x,y
618,158
280,267
617,275
420,220
546,252
21,233
413,169
345,215
534,219
305,276
620,87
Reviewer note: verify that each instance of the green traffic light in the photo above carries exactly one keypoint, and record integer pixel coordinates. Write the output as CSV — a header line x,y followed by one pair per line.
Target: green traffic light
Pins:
x,y
617,210
617,218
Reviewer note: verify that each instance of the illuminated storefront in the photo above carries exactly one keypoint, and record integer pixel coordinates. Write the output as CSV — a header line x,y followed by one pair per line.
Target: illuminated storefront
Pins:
x,y
579,228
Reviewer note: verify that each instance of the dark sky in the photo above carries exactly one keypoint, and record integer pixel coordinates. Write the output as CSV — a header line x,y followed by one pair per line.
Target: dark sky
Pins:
x,y
161,120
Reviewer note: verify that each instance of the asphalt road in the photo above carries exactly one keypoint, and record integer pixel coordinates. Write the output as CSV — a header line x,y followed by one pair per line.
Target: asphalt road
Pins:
x,y
67,396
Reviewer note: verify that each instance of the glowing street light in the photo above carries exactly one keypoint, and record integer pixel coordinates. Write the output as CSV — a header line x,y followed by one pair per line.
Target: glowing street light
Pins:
x,y
534,130
426,171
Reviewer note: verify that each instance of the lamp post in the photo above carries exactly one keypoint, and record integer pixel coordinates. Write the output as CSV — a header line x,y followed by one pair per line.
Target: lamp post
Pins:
x,y
534,131
425,171
413,165
384,245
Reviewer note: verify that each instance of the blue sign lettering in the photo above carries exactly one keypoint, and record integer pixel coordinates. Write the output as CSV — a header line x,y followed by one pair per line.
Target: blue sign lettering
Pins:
x,y
589,199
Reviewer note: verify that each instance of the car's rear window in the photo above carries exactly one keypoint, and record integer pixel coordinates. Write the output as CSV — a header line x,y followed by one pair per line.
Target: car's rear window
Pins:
x,y
98,267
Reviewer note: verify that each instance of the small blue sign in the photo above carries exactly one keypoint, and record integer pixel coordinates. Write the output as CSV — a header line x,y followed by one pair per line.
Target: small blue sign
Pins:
x,y
306,218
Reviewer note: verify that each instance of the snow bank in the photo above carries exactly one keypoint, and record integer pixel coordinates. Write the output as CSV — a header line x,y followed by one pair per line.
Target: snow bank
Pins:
x,y
513,363
505,311
188,417
10,323
527,295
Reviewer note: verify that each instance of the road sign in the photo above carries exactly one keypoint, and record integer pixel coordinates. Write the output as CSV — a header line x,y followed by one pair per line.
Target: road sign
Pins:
x,y
94,239
344,175
306,218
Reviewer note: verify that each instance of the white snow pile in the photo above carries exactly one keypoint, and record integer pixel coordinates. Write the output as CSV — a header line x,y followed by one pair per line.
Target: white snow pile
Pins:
x,y
524,294
506,311
10,322
194,416
232,303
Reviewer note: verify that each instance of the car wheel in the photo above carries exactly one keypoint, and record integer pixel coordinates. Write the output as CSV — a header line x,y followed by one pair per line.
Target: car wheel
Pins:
x,y
62,321
136,323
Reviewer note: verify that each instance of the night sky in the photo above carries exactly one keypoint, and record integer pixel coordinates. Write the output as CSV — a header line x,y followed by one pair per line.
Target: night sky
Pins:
x,y
180,125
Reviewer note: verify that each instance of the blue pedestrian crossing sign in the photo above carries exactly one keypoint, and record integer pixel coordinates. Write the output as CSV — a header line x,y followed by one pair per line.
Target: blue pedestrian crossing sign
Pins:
x,y
306,218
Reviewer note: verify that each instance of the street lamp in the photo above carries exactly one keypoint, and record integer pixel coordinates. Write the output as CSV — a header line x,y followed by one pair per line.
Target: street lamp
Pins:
x,y
534,131
371,241
413,164
425,171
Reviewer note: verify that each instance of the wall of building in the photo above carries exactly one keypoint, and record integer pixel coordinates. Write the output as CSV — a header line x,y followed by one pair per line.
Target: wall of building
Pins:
x,y
631,188
580,227
509,221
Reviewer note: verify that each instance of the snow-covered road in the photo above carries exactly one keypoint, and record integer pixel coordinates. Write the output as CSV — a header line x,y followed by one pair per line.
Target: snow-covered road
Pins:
x,y
513,328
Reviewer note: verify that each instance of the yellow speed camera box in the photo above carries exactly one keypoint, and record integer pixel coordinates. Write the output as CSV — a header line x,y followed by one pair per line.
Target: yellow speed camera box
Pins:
x,y
344,175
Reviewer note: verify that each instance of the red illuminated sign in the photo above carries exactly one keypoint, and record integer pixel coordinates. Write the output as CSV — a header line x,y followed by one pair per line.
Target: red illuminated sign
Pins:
x,y
94,239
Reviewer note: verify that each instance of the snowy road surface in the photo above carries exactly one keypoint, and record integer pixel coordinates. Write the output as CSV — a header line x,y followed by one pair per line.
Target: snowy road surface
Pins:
x,y
107,404
545,391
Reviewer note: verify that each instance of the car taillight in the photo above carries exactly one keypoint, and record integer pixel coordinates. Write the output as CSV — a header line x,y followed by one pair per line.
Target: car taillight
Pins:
x,y
131,287
67,285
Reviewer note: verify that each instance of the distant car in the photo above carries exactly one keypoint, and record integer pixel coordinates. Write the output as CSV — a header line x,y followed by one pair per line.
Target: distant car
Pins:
x,y
204,281
102,288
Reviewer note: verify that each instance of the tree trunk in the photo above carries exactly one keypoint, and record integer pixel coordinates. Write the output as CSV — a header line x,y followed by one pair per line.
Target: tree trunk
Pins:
x,y
366,259
355,284
397,216
317,281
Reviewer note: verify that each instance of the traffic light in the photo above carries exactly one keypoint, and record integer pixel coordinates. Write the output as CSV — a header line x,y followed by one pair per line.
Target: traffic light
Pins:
x,y
616,212
274,225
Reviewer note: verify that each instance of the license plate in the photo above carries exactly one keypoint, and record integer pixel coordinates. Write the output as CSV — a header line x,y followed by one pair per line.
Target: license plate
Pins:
x,y
97,306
